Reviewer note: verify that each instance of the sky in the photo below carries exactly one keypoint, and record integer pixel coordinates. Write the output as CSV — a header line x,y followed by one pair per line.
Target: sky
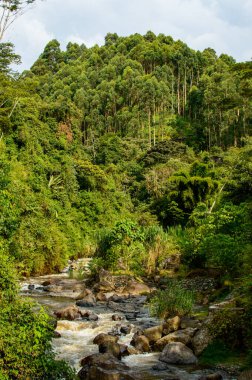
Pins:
x,y
224,25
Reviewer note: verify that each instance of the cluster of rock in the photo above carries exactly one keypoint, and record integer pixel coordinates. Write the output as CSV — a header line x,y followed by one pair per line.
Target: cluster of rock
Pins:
x,y
172,339
179,340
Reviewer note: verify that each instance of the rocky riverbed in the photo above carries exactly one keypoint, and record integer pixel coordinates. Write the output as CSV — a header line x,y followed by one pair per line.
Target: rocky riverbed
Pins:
x,y
104,331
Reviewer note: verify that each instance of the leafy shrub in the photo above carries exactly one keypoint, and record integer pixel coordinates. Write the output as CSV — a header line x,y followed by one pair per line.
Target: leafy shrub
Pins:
x,y
221,251
122,244
229,325
26,331
175,300
25,348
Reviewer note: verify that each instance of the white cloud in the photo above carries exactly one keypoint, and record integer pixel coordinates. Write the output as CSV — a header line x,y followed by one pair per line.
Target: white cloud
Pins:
x,y
89,42
31,39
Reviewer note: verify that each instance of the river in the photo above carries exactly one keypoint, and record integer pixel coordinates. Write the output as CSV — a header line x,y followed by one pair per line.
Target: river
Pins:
x,y
76,337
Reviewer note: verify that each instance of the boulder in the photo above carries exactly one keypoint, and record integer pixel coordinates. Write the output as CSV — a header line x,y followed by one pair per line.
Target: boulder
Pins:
x,y
177,353
103,367
70,313
136,288
176,336
201,340
88,301
103,338
141,343
112,348
154,333
93,317
171,324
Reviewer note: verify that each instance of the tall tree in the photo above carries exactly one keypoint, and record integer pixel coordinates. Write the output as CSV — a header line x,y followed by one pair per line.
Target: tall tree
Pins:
x,y
7,57
10,11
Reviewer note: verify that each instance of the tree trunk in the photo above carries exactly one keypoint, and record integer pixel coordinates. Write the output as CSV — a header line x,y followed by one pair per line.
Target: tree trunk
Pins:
x,y
149,126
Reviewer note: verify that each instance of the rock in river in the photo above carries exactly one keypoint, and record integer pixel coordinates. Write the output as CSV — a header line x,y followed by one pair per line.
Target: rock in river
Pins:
x,y
177,353
103,367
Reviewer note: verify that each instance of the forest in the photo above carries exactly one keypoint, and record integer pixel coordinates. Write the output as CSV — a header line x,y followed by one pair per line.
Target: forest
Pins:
x,y
130,153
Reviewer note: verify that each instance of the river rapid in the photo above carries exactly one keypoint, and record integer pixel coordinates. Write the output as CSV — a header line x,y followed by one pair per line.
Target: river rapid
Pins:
x,y
76,337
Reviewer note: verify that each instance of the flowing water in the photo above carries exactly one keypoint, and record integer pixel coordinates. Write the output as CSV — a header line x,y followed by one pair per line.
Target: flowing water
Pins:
x,y
77,336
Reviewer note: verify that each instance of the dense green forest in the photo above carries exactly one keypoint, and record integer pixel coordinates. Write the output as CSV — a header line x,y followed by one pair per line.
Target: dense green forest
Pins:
x,y
129,152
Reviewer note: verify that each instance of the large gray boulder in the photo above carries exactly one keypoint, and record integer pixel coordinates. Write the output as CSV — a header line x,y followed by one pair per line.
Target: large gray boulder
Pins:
x,y
177,353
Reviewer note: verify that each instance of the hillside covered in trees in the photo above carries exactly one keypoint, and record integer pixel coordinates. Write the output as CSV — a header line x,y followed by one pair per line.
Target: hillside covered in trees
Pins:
x,y
129,152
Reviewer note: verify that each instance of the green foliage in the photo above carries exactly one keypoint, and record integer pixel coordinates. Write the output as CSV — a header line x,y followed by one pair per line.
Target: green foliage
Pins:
x,y
163,151
219,239
7,57
183,192
25,344
175,300
122,246
229,325
8,278
26,331
221,251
